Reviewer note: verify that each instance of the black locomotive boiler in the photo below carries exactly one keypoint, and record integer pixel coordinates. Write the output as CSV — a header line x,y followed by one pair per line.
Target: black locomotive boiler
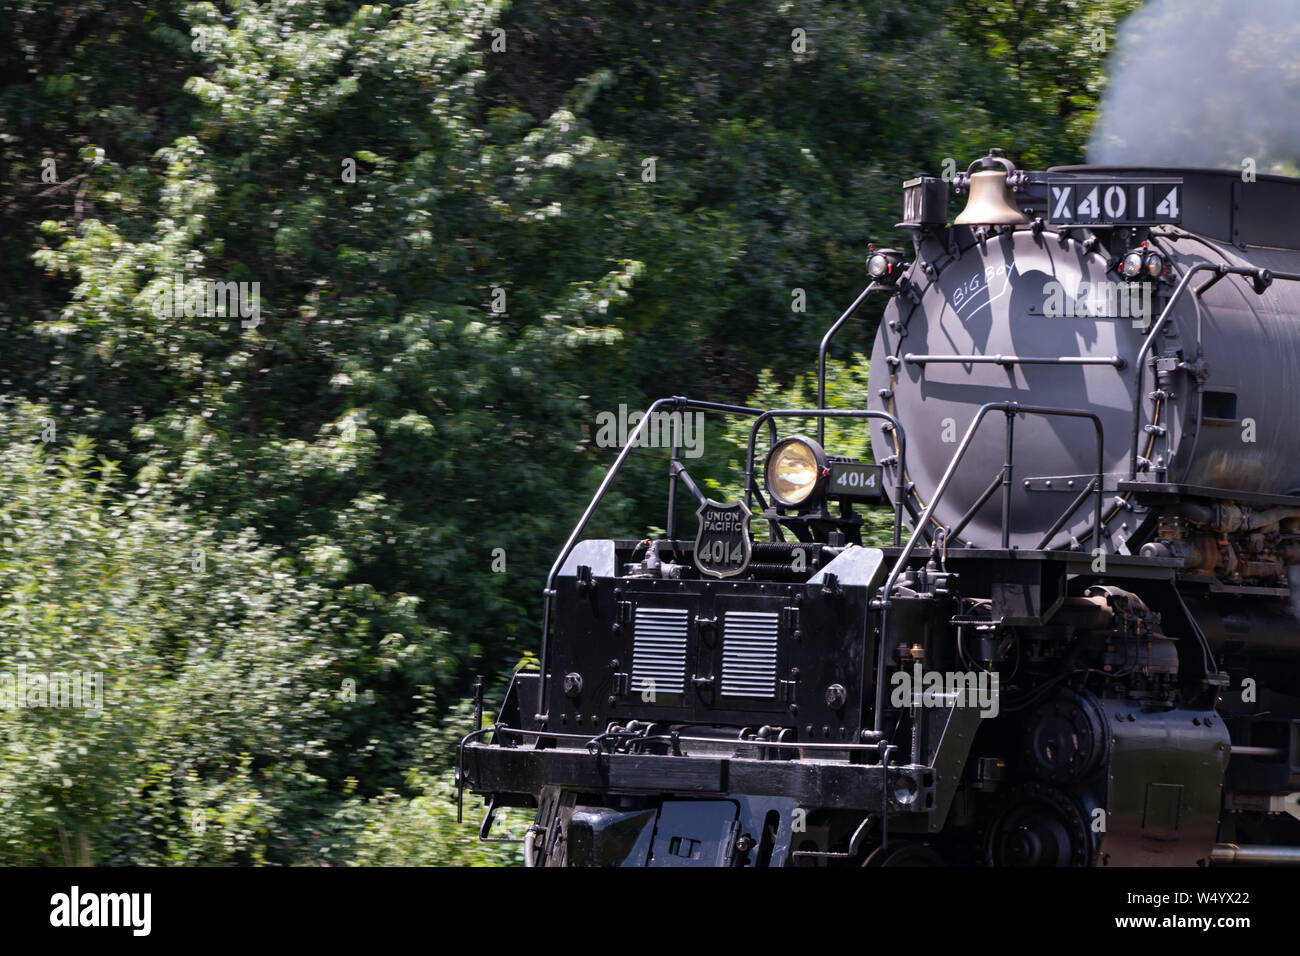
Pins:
x,y
1082,645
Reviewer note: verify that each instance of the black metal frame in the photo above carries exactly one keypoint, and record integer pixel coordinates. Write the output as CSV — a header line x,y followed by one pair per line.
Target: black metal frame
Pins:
x,y
1010,409
837,785
677,472
676,403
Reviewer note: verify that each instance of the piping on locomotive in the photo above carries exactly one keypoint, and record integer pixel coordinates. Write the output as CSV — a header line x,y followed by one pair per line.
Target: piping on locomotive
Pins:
x,y
1109,547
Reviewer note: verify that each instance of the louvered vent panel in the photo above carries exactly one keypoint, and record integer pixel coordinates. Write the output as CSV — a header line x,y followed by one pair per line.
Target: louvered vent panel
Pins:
x,y
659,650
749,654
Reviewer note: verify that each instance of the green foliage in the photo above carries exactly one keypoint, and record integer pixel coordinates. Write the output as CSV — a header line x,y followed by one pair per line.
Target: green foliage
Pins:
x,y
1035,68
460,259
217,666
422,830
378,389
392,830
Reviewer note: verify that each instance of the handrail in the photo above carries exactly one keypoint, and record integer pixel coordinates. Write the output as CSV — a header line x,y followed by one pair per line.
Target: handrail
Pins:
x,y
1010,409
826,341
678,403
822,414
1263,278
1009,360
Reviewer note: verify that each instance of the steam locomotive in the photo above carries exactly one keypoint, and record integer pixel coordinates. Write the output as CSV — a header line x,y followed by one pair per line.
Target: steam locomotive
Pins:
x,y
1081,648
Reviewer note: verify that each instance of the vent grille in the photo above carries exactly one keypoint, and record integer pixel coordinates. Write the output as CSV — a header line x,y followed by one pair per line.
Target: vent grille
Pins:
x,y
659,650
749,654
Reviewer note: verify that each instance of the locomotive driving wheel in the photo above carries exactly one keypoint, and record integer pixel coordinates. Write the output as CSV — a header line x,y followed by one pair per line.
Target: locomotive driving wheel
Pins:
x,y
1065,738
1037,825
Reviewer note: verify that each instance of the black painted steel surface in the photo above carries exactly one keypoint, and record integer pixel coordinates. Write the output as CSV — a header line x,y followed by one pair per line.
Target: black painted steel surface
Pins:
x,y
1225,361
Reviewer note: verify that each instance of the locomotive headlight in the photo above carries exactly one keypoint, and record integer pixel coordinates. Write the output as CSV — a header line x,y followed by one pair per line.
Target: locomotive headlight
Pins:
x,y
1132,265
796,471
885,265
1143,263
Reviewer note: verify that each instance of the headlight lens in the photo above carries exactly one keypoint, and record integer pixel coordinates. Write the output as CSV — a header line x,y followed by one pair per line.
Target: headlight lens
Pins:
x,y
885,265
1155,264
1132,265
795,470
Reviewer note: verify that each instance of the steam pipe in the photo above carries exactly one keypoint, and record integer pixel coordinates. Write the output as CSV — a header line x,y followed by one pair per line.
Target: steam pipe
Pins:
x,y
1244,751
1232,853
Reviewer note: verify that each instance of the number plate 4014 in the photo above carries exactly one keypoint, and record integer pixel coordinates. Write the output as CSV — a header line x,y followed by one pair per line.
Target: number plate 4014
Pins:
x,y
854,479
1114,202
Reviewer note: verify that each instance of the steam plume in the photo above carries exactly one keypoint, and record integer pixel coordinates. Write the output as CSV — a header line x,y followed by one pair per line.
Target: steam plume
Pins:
x,y
1204,83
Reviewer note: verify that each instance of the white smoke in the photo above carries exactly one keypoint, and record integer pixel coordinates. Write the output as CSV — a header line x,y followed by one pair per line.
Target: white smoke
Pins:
x,y
1204,83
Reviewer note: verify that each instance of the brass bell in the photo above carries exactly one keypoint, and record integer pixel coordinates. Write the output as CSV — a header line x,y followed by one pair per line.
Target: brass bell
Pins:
x,y
990,202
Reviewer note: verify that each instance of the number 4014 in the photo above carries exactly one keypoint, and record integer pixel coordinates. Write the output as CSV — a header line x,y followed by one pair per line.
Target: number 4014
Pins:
x,y
856,479
718,551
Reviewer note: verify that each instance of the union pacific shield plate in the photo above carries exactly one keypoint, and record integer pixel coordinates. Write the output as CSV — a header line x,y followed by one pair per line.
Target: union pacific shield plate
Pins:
x,y
722,545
